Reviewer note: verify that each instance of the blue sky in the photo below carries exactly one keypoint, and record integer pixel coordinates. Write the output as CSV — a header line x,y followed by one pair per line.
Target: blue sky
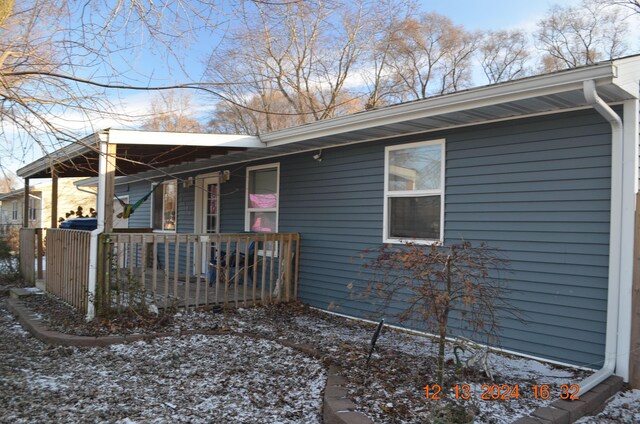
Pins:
x,y
473,15
493,14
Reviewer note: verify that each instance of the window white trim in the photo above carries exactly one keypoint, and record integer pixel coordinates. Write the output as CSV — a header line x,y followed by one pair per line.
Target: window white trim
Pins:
x,y
413,193
248,210
153,202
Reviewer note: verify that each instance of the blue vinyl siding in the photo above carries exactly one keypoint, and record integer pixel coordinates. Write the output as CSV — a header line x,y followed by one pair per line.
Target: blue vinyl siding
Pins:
x,y
141,218
537,188
232,202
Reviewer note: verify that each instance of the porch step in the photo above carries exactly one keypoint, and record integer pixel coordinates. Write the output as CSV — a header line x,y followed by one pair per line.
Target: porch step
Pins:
x,y
17,293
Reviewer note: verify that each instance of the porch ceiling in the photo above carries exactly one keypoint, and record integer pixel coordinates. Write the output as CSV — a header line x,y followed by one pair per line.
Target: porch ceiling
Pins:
x,y
133,159
81,159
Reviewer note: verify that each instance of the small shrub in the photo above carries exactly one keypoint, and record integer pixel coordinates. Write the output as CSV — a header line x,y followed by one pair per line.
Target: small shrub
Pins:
x,y
9,264
429,283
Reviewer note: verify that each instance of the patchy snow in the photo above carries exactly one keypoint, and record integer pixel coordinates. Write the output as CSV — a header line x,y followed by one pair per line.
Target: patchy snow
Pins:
x,y
530,369
624,407
195,379
17,329
243,379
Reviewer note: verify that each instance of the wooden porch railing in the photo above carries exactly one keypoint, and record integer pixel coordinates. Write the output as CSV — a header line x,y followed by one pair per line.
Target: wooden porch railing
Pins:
x,y
194,270
68,266
31,253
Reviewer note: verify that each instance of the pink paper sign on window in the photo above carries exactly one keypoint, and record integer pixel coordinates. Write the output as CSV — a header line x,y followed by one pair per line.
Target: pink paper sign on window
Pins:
x,y
258,226
263,201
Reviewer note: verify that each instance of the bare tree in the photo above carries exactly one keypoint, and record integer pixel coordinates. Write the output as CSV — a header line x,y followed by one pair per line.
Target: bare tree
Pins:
x,y
634,5
383,32
290,59
581,35
432,56
172,111
8,181
60,58
504,55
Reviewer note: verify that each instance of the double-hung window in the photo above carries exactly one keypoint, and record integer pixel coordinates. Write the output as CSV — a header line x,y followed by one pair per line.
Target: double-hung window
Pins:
x,y
14,210
33,211
414,192
165,201
262,198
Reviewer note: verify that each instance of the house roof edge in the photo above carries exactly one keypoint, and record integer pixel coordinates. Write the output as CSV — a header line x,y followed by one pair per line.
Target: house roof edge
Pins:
x,y
472,98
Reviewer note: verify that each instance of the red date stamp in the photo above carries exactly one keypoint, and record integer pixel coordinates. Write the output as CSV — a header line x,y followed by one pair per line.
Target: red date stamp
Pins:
x,y
490,392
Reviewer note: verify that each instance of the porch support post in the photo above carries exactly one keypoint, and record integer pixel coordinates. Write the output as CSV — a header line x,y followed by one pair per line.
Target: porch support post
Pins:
x,y
106,166
25,210
54,198
109,191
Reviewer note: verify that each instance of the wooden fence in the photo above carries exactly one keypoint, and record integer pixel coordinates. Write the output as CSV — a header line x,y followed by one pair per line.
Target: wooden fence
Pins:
x,y
31,253
194,270
68,266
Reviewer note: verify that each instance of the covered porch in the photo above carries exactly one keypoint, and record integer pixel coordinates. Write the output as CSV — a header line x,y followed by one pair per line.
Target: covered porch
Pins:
x,y
109,267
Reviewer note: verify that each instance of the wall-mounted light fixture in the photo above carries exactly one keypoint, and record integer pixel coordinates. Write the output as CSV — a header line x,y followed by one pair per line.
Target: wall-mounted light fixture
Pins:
x,y
318,156
187,182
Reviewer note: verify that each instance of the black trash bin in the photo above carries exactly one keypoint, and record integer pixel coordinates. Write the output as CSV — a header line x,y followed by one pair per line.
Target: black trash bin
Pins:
x,y
86,224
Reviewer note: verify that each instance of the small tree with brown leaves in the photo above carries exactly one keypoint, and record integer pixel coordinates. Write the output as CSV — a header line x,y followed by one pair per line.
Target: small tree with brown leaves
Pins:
x,y
430,283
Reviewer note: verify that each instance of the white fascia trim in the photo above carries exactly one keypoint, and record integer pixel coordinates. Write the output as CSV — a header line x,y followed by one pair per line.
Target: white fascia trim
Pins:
x,y
85,145
158,138
474,98
628,75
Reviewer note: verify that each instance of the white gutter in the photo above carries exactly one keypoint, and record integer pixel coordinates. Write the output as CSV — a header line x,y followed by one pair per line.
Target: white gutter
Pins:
x,y
615,236
93,244
95,193
525,88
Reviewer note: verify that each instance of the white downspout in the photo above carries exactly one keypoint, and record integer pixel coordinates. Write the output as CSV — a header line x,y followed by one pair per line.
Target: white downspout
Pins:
x,y
93,244
615,235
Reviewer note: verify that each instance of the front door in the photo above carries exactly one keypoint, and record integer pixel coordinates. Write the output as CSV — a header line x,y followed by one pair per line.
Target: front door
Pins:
x,y
207,209
210,205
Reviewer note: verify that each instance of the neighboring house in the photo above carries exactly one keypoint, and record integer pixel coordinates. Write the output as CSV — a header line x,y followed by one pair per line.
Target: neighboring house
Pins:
x,y
544,168
69,198
12,210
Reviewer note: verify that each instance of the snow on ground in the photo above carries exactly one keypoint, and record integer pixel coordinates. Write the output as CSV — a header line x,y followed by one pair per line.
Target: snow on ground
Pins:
x,y
624,407
176,379
244,380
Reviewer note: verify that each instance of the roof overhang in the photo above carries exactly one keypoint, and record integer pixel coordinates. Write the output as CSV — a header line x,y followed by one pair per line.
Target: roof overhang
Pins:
x,y
529,96
137,151
19,193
